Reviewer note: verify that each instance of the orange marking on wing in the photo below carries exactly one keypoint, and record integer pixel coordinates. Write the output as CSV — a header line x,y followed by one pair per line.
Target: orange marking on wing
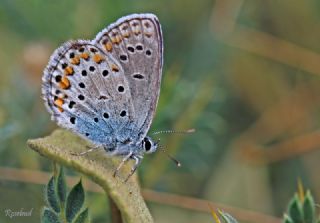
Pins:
x,y
114,68
97,58
59,102
113,40
75,60
84,56
68,70
126,35
118,39
64,83
108,46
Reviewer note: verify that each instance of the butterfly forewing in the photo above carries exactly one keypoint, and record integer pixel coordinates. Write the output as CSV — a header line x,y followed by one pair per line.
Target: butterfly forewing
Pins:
x,y
136,42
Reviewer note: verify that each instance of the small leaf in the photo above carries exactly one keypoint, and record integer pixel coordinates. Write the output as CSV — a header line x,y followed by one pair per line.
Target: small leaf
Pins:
x,y
52,196
309,208
287,219
61,186
49,216
75,201
295,209
83,217
227,218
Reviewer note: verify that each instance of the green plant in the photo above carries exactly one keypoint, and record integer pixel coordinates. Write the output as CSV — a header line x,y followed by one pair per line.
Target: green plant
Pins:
x,y
221,216
63,208
301,208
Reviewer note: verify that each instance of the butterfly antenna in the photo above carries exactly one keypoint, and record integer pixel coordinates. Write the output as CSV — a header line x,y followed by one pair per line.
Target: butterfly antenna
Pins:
x,y
174,132
178,164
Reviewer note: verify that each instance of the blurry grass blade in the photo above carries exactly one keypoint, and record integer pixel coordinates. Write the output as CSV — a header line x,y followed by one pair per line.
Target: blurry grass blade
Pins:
x,y
214,214
295,209
170,79
309,208
75,201
83,217
51,195
9,131
49,216
61,186
287,219
300,190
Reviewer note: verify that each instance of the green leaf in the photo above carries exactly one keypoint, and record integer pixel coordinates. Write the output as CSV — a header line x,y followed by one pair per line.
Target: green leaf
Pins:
x,y
75,201
61,186
287,219
295,210
83,217
49,216
227,218
309,208
52,196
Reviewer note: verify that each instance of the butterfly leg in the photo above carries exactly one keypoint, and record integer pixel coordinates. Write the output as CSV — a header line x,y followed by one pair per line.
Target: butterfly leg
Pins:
x,y
134,168
88,151
125,159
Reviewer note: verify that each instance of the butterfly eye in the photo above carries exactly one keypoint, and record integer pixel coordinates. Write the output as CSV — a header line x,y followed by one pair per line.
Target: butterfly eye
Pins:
x,y
147,145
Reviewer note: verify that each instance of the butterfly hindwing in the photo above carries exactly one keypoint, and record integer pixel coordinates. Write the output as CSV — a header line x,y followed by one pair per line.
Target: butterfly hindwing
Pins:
x,y
84,89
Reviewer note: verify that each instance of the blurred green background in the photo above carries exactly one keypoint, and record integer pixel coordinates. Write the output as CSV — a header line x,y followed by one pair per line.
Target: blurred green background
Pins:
x,y
244,73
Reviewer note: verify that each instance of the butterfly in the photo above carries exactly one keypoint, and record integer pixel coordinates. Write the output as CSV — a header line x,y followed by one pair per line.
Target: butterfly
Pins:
x,y
106,89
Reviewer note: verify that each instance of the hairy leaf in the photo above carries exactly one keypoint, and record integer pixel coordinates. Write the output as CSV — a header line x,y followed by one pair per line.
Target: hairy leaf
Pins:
x,y
51,195
61,186
287,219
83,217
295,210
309,208
75,201
49,216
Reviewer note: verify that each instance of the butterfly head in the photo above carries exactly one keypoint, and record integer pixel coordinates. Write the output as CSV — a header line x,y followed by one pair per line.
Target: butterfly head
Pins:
x,y
149,146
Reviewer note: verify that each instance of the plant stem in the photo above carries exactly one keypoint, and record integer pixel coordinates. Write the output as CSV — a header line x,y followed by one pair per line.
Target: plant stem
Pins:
x,y
115,212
